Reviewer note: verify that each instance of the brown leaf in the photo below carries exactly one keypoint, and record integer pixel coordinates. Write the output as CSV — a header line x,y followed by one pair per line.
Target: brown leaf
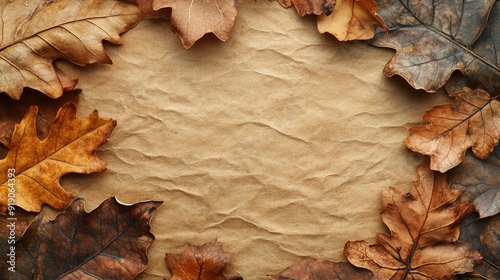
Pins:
x,y
484,235
38,165
473,121
424,228
205,262
193,19
345,19
36,32
434,38
108,243
479,182
308,268
12,111
351,20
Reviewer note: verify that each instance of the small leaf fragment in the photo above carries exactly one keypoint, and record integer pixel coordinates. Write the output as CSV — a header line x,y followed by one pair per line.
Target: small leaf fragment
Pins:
x,y
479,182
351,20
345,19
308,7
193,19
484,235
205,262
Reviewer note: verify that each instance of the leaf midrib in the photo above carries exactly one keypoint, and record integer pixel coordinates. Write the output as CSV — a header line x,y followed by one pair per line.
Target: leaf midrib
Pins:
x,y
55,151
59,25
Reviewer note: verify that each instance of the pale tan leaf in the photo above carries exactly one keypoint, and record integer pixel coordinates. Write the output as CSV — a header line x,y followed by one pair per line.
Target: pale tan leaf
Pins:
x,y
36,32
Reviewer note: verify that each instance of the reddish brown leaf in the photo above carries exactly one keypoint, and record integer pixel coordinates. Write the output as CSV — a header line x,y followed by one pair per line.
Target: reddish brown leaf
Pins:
x,y
36,32
108,243
424,228
12,111
479,182
473,121
193,19
351,20
484,235
434,38
205,262
32,167
345,19
308,268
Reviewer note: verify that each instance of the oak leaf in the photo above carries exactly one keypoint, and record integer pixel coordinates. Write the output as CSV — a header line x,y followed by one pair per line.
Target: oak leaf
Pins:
x,y
473,121
36,32
193,19
310,268
434,38
110,242
424,228
351,20
38,164
345,19
205,262
12,111
479,182
484,235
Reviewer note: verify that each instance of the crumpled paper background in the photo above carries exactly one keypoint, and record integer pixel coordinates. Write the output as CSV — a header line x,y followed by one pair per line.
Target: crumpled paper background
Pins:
x,y
277,142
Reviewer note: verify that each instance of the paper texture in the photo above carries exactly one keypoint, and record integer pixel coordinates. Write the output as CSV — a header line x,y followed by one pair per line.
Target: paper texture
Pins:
x,y
277,142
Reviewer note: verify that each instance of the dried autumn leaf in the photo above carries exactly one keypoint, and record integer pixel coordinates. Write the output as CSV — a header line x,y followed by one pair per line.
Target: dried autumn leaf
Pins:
x,y
473,121
351,20
434,38
69,148
484,235
479,182
345,19
108,243
36,32
309,268
193,19
424,228
205,262
12,111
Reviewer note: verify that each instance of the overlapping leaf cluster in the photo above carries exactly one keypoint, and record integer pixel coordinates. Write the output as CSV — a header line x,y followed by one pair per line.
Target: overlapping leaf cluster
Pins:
x,y
439,44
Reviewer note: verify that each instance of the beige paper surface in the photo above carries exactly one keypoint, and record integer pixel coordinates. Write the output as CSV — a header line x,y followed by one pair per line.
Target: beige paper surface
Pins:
x,y
277,142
